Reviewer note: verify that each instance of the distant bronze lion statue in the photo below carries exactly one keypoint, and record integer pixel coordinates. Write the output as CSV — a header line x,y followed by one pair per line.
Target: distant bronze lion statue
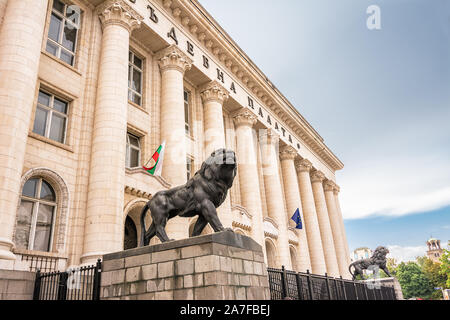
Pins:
x,y
200,196
378,259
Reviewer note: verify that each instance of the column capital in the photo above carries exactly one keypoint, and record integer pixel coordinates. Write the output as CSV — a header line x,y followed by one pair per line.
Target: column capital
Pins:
x,y
303,165
336,190
288,153
244,118
329,185
317,176
118,12
270,136
173,58
214,91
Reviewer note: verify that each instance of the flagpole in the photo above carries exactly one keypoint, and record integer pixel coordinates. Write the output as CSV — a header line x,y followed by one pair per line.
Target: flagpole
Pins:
x,y
148,162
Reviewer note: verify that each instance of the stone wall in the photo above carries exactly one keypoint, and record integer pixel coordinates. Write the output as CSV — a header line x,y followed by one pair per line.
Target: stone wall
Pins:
x,y
222,266
16,285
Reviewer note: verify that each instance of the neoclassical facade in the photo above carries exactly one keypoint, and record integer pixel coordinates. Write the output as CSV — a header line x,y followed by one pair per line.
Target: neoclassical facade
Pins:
x,y
90,88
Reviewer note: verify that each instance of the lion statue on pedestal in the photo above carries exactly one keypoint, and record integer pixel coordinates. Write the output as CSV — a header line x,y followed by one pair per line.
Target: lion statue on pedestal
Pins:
x,y
378,259
200,196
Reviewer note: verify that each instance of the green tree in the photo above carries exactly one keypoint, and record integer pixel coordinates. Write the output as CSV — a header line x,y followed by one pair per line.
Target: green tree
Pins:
x,y
413,281
432,271
445,267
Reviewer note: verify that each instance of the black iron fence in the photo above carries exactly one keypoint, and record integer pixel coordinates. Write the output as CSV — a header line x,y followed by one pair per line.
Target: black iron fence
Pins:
x,y
292,285
77,284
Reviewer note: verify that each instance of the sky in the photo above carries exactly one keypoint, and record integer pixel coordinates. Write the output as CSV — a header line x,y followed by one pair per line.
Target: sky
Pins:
x,y
379,98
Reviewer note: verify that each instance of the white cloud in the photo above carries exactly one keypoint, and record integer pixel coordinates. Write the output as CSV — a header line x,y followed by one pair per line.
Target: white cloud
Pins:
x,y
393,189
405,254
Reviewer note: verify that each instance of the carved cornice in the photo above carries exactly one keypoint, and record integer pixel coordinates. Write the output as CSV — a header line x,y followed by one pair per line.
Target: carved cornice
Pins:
x,y
329,186
245,118
160,179
293,236
270,228
288,153
303,165
317,176
213,91
137,193
242,226
242,210
118,12
219,44
172,58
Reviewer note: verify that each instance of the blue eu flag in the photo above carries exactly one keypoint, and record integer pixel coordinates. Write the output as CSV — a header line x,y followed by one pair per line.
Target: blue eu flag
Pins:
x,y
297,219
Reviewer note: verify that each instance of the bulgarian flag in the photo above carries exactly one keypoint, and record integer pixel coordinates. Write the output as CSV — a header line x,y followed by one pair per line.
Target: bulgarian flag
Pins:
x,y
158,158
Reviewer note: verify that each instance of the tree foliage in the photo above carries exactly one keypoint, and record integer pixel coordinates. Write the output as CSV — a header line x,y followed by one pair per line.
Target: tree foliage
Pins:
x,y
445,267
413,281
437,279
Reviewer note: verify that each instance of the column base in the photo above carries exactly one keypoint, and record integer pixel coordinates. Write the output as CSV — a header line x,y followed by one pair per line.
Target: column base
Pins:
x,y
5,249
91,258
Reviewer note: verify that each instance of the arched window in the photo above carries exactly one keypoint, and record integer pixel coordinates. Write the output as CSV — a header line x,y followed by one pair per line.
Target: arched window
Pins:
x,y
130,239
36,216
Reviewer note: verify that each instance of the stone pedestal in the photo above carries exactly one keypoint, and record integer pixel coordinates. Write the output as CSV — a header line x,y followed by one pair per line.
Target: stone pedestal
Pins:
x,y
391,282
220,266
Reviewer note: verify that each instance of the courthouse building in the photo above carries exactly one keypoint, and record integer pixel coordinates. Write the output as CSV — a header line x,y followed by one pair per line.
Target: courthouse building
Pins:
x,y
88,91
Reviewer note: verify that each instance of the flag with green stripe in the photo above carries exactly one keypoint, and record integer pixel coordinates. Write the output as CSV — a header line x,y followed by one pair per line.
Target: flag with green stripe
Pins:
x,y
158,159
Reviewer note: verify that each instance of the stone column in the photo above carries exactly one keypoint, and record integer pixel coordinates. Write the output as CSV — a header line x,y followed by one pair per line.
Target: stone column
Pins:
x,y
173,63
2,10
274,195
248,172
338,207
104,217
20,50
311,222
336,227
293,202
213,96
317,178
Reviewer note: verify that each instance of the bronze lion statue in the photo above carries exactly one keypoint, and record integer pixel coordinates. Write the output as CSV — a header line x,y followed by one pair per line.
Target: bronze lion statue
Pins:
x,y
378,259
200,196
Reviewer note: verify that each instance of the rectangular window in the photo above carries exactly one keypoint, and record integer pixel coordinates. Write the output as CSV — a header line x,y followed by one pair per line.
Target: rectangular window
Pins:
x,y
135,71
189,167
187,113
63,31
133,158
51,117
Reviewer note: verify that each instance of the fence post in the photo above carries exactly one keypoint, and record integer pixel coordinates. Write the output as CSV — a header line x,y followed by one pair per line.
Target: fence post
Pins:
x,y
365,291
97,281
336,288
343,289
37,285
299,286
308,278
62,286
328,286
356,290
381,292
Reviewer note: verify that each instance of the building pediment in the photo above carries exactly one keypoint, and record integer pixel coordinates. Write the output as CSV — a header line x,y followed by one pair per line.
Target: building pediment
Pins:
x,y
271,228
